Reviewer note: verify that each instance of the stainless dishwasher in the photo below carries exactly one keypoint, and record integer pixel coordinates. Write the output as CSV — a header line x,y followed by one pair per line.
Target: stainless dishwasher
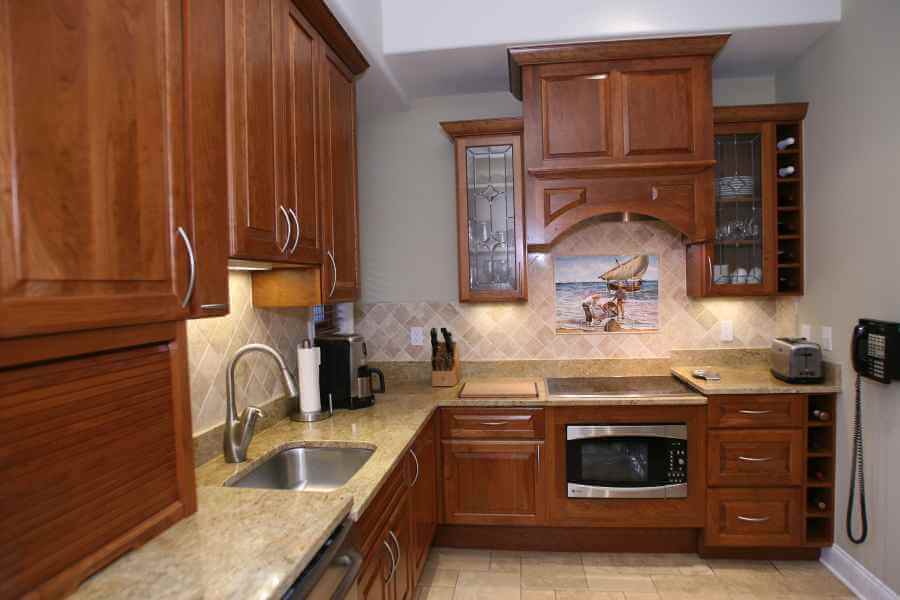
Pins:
x,y
333,571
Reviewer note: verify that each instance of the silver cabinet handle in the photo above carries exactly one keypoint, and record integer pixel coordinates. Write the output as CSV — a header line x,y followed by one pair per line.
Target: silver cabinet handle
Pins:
x,y
213,306
416,459
754,412
334,269
753,459
753,519
709,260
393,560
539,457
192,261
397,544
287,237
654,193
297,222
493,423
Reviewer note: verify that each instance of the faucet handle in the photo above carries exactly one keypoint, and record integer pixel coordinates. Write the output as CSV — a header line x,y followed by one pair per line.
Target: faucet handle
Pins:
x,y
248,424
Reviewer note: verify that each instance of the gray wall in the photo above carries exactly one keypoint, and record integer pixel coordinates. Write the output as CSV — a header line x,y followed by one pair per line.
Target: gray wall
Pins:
x,y
850,77
406,189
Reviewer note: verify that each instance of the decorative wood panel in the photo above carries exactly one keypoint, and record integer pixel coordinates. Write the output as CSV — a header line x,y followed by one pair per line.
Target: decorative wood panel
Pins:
x,y
659,110
91,164
557,201
577,116
96,455
424,494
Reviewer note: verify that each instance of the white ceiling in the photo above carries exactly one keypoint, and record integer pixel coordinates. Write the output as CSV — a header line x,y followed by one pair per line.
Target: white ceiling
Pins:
x,y
424,48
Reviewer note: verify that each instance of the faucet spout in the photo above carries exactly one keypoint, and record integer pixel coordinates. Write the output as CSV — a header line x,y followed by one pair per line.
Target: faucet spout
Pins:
x,y
239,431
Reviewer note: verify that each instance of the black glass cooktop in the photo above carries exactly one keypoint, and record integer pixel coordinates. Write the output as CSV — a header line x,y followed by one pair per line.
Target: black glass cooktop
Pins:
x,y
589,387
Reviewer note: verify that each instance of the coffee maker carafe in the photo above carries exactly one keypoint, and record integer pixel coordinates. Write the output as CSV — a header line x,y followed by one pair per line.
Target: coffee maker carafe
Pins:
x,y
345,378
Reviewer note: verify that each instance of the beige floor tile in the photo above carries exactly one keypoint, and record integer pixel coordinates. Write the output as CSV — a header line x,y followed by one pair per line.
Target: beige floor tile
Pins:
x,y
538,595
761,583
618,583
460,559
488,580
551,558
801,567
646,564
553,577
506,553
468,593
819,583
437,593
687,587
588,595
641,596
723,566
695,570
432,577
506,565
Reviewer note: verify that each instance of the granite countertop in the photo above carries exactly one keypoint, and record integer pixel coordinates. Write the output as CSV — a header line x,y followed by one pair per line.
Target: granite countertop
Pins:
x,y
245,543
241,544
754,380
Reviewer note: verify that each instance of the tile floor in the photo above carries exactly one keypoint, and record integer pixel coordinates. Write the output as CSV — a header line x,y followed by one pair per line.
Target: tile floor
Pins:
x,y
455,574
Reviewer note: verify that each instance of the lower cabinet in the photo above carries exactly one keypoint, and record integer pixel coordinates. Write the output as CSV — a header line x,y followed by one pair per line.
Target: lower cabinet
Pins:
x,y
387,571
493,482
424,494
754,517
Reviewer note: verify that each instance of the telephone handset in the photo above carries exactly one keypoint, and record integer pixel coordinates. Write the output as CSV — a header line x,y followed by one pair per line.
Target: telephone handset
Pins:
x,y
875,351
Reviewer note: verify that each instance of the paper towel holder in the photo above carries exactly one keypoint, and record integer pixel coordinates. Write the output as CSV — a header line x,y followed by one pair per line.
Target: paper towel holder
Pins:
x,y
312,416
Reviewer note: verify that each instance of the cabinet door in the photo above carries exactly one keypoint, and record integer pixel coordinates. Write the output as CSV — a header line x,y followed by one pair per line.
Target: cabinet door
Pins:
x,y
207,154
401,536
303,190
259,217
493,483
424,494
577,112
91,165
340,233
376,571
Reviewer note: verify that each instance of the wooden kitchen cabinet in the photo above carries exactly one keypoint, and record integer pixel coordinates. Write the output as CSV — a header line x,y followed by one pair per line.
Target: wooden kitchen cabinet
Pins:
x,y
92,166
490,209
340,219
493,482
756,242
424,454
599,115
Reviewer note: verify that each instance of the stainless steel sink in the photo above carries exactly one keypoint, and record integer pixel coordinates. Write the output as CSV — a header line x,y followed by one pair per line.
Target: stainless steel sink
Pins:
x,y
306,468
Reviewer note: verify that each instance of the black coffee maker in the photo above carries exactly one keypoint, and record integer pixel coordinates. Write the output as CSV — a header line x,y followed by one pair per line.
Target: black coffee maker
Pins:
x,y
345,378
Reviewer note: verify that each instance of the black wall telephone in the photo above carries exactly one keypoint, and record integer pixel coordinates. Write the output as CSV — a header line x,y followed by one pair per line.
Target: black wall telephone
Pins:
x,y
875,351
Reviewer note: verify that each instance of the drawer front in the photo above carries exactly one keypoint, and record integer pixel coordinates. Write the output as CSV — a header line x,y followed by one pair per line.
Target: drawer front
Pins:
x,y
767,517
372,522
767,458
771,411
492,423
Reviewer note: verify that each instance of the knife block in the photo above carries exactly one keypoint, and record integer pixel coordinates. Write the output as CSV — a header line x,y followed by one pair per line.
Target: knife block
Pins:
x,y
446,378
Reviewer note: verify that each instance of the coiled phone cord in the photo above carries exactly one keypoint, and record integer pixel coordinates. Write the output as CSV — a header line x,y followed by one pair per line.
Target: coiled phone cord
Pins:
x,y
856,473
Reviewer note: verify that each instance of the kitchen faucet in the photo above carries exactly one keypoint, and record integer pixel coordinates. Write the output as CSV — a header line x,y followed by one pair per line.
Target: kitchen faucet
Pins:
x,y
239,432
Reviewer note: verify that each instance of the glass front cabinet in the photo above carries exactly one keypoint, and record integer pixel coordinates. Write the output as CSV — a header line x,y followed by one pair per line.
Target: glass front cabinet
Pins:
x,y
490,209
751,228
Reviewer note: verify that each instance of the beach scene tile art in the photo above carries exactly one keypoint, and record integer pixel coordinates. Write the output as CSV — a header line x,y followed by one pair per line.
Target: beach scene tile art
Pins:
x,y
607,294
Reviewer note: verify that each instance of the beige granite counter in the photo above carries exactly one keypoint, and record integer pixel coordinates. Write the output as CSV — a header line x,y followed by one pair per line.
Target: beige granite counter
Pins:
x,y
242,544
755,380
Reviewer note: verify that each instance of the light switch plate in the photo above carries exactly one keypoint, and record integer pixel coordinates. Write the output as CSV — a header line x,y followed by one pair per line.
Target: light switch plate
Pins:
x,y
806,331
726,334
417,336
826,338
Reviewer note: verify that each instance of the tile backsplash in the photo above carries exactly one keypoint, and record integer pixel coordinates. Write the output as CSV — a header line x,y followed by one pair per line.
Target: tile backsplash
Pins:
x,y
526,330
212,342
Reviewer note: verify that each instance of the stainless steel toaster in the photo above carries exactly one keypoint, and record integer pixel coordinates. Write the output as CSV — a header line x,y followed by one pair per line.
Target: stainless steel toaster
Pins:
x,y
796,360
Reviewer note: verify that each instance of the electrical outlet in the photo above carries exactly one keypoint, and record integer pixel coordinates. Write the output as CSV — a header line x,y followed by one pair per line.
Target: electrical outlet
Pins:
x,y
806,331
726,334
826,338
417,336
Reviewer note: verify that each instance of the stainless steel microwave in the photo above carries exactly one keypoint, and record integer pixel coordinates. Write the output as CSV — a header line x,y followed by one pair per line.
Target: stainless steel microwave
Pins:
x,y
627,461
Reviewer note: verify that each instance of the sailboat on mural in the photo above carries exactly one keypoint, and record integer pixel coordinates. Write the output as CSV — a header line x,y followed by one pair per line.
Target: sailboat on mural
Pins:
x,y
627,276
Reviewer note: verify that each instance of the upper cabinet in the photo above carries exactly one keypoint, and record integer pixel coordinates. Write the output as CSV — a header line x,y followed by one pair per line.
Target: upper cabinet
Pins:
x,y
756,208
340,235
94,230
616,127
490,209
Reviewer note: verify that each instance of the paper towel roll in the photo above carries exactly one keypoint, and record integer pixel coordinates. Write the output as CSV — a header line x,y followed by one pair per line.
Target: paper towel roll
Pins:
x,y
308,361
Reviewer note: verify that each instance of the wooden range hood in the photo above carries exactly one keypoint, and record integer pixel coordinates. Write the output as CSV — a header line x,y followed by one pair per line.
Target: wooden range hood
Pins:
x,y
617,127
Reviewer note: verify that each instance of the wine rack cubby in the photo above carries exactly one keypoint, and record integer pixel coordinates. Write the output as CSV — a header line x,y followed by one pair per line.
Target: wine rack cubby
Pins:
x,y
789,209
820,464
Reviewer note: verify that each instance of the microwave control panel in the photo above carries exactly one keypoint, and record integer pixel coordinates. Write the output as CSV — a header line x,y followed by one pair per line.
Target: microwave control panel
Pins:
x,y
677,461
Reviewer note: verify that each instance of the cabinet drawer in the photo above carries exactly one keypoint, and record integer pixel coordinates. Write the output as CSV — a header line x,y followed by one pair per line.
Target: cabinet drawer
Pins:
x,y
772,411
755,458
492,423
767,517
373,520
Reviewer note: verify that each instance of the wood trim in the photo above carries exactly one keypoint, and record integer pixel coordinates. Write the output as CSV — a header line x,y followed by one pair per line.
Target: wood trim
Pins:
x,y
181,411
642,169
334,34
759,553
473,127
795,111
567,539
704,45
